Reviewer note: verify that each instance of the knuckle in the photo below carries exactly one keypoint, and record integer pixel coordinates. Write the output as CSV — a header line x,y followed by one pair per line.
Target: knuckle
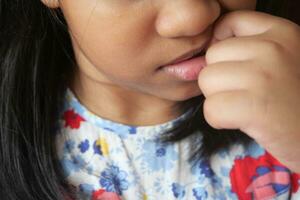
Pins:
x,y
272,47
263,76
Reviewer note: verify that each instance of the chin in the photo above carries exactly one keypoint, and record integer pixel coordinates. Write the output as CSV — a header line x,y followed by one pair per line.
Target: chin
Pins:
x,y
183,95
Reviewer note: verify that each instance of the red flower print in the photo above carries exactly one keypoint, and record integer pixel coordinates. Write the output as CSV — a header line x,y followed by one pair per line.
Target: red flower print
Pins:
x,y
259,178
72,119
295,182
101,194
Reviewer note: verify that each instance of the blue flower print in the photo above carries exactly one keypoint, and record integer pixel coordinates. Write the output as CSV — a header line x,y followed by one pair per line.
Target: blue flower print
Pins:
x,y
225,171
122,130
219,196
85,191
254,150
97,148
205,168
132,130
158,156
68,146
160,185
84,146
261,170
72,165
200,193
114,180
89,170
178,190
86,188
160,152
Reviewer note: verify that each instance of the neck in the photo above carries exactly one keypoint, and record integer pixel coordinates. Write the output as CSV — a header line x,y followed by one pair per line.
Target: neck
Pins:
x,y
122,105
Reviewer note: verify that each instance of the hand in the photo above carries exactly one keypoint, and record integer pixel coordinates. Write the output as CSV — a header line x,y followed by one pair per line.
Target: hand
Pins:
x,y
252,81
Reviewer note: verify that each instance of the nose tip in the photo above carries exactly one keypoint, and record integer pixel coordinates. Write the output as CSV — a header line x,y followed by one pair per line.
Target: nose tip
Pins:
x,y
186,17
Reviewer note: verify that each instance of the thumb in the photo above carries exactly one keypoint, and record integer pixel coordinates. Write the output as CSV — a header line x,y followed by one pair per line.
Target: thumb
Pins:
x,y
243,23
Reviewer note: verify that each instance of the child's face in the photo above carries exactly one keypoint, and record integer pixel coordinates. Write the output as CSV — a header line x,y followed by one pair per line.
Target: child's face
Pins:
x,y
124,42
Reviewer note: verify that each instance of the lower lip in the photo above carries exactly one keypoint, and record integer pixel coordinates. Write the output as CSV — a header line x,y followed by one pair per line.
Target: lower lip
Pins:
x,y
187,70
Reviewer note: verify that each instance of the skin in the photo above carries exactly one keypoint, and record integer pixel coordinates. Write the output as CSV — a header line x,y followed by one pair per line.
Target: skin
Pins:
x,y
119,44
260,88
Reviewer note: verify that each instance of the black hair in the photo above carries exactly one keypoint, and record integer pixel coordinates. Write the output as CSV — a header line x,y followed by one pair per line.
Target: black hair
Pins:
x,y
35,62
36,65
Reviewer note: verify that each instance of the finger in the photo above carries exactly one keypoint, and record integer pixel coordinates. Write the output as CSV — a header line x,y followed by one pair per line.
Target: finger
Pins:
x,y
237,49
227,76
244,23
252,23
229,110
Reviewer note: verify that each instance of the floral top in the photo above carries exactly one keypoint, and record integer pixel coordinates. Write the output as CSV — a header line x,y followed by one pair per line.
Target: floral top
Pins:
x,y
106,160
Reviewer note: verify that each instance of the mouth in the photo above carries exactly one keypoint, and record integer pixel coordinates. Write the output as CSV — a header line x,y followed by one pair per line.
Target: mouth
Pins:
x,y
188,66
196,53
189,55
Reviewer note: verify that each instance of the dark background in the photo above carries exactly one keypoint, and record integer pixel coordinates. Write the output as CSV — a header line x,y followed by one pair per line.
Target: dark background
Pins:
x,y
294,11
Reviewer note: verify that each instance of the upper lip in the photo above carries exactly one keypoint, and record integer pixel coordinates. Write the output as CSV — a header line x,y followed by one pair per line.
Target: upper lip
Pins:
x,y
187,55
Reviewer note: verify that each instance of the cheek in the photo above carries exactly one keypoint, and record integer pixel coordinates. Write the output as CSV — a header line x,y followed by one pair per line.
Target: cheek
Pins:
x,y
110,43
115,62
